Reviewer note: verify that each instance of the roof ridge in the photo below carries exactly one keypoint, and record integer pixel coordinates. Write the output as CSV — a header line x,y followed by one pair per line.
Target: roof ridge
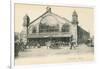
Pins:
x,y
61,17
38,17
83,29
46,13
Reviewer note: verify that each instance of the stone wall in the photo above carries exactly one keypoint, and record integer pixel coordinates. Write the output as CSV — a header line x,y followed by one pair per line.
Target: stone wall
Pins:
x,y
83,35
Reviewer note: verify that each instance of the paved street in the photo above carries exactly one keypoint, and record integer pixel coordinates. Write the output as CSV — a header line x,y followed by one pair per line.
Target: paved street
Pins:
x,y
62,55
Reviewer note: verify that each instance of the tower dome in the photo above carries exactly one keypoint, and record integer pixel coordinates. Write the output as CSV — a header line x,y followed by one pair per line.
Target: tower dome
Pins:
x,y
75,17
74,13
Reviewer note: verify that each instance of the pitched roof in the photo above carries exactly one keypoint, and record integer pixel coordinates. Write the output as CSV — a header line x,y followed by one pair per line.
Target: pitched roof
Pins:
x,y
49,13
37,18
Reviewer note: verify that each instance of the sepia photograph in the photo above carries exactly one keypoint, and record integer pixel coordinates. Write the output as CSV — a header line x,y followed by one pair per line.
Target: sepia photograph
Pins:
x,y
47,34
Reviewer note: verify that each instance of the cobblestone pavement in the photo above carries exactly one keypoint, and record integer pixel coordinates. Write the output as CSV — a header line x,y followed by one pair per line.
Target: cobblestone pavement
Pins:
x,y
63,54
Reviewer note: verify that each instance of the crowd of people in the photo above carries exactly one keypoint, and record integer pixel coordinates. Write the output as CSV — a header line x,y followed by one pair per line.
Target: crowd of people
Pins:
x,y
50,43
21,46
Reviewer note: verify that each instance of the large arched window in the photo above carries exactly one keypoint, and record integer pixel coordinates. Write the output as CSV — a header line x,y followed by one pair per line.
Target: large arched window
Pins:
x,y
65,28
47,28
34,30
49,24
43,28
53,28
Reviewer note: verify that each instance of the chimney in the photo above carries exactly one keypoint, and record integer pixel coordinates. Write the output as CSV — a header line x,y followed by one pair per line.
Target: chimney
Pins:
x,y
48,9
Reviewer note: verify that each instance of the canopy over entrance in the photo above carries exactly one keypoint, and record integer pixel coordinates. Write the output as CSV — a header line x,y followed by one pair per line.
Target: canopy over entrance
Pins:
x,y
45,35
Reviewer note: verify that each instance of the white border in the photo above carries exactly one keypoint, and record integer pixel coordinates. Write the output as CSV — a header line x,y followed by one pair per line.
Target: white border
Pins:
x,y
77,3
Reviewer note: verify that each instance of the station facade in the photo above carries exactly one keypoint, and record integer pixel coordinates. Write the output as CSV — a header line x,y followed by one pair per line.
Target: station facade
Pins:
x,y
52,27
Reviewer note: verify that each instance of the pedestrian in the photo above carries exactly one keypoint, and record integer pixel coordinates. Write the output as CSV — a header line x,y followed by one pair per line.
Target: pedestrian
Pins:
x,y
17,48
21,45
48,44
38,45
73,44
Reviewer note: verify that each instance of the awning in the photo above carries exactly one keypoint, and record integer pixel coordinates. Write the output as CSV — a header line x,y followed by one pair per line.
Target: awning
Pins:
x,y
46,35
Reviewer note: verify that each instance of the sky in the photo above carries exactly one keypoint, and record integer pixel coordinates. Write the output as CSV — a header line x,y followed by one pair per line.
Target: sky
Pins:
x,y
85,15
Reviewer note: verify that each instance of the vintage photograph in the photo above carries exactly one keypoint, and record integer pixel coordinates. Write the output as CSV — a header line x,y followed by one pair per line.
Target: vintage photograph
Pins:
x,y
46,34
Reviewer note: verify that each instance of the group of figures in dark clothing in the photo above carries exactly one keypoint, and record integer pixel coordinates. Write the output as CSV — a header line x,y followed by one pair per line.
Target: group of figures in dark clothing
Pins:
x,y
54,44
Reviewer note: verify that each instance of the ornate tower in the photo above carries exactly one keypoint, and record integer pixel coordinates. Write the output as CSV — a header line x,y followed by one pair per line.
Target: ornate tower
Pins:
x,y
26,21
74,26
74,18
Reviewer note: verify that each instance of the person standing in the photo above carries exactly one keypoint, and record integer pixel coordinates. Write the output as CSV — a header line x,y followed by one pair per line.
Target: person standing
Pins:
x,y
21,45
48,44
17,48
72,43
